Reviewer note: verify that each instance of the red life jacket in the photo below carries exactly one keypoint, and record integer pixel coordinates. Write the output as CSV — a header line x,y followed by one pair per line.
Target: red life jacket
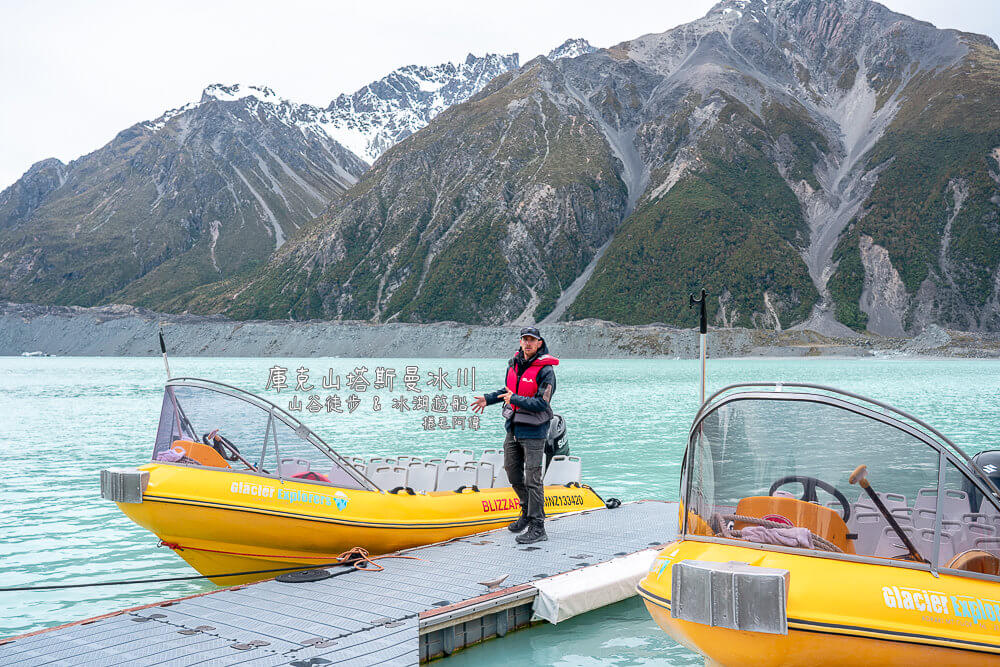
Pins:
x,y
526,383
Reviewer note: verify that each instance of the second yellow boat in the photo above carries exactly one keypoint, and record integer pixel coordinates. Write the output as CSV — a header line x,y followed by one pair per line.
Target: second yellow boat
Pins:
x,y
896,563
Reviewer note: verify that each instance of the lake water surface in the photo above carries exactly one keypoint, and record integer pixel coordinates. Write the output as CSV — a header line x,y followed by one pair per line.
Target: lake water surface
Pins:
x,y
64,419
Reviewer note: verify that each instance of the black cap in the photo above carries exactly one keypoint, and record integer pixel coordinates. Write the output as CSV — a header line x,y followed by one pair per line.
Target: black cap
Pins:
x,y
531,331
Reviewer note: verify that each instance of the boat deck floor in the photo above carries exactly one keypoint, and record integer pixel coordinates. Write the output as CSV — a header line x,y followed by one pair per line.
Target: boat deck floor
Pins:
x,y
356,617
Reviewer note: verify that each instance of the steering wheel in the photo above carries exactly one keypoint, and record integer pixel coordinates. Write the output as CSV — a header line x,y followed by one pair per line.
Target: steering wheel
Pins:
x,y
809,493
221,444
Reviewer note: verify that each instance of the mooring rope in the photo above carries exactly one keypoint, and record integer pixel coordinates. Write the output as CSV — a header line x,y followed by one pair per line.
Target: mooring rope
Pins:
x,y
356,559
355,556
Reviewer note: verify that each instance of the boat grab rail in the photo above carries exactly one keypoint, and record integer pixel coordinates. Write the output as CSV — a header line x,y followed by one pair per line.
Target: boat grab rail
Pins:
x,y
289,420
777,389
940,441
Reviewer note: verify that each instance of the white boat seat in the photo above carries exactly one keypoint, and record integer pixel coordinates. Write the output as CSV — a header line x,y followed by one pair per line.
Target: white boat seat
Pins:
x,y
495,457
292,467
484,475
451,477
340,477
389,477
373,463
448,475
460,456
953,527
924,518
892,500
956,503
563,470
421,477
972,531
889,543
856,509
903,516
500,479
991,544
925,545
868,527
473,468
926,500
864,504
987,508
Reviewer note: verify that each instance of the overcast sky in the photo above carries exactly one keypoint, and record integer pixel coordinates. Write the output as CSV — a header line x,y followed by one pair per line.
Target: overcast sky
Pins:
x,y
73,74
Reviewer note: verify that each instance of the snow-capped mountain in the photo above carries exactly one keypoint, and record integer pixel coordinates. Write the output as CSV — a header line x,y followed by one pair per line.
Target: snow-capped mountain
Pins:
x,y
374,118
383,113
210,189
571,48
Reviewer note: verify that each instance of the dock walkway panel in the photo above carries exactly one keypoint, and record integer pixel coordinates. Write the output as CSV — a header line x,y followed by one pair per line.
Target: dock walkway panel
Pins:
x,y
356,617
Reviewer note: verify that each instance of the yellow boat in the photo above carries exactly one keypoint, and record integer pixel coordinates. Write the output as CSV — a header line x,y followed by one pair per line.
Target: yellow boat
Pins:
x,y
237,484
776,565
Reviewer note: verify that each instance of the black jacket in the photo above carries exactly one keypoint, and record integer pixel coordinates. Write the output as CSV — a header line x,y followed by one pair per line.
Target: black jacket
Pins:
x,y
546,383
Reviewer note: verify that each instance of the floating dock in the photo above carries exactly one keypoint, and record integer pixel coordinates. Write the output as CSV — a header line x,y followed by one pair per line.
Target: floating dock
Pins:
x,y
447,596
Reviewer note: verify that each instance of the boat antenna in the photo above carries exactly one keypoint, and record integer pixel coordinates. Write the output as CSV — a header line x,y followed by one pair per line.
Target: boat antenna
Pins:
x,y
163,349
703,335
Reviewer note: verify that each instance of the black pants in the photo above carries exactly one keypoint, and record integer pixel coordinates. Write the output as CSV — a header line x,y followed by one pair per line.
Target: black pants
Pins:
x,y
522,460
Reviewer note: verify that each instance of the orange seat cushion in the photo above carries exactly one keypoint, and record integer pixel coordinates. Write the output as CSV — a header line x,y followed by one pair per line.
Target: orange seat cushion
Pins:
x,y
203,454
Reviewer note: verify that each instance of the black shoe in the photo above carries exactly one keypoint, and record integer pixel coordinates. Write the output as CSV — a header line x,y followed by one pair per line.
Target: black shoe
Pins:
x,y
519,525
535,533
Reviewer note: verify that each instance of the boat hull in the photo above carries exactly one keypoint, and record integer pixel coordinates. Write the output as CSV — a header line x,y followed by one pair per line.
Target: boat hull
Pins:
x,y
841,612
222,522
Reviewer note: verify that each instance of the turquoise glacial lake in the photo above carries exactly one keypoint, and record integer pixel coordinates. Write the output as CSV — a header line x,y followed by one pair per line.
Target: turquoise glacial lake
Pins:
x,y
64,419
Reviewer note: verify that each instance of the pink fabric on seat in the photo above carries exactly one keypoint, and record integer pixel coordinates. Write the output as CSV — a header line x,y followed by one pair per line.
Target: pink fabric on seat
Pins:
x,y
172,455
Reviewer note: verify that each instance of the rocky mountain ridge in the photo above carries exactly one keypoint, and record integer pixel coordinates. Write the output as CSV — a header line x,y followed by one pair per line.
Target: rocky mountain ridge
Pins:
x,y
209,190
203,192
820,164
750,151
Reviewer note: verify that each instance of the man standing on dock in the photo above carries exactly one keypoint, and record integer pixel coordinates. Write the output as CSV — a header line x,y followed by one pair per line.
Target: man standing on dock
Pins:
x,y
527,398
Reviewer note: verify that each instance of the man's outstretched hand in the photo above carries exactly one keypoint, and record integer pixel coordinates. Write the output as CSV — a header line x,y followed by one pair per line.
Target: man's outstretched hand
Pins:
x,y
479,404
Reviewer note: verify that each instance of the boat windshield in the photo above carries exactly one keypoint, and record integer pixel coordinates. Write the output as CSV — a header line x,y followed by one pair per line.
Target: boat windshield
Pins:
x,y
210,424
777,468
